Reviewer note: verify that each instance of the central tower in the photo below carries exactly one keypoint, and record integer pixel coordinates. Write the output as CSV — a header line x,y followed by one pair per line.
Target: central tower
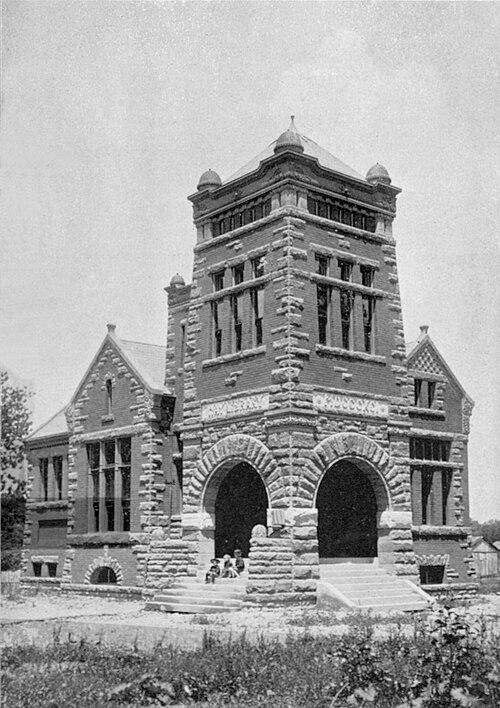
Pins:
x,y
287,357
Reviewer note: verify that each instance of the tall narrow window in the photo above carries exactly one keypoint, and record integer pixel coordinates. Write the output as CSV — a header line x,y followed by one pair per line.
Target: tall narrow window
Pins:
x,y
446,479
258,267
183,345
109,397
258,312
345,271
346,307
427,479
237,324
323,262
93,455
216,330
417,388
44,478
109,484
431,391
323,300
218,280
124,451
57,463
238,274
368,321
367,276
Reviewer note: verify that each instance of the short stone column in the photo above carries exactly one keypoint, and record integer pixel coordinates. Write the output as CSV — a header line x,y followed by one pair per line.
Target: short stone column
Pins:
x,y
395,544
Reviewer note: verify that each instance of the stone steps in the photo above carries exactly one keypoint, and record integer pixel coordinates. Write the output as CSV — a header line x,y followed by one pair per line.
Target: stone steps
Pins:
x,y
195,596
368,587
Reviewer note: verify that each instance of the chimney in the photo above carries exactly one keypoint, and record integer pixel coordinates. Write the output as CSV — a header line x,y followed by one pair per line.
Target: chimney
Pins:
x,y
424,329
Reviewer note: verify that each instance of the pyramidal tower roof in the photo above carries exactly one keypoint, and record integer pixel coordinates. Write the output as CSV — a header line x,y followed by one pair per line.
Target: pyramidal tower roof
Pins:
x,y
291,137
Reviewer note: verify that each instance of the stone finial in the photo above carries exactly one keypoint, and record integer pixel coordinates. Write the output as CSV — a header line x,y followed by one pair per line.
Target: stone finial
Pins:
x,y
111,329
424,330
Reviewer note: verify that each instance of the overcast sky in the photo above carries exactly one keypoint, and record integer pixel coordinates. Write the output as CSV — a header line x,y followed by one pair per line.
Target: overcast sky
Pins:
x,y
112,110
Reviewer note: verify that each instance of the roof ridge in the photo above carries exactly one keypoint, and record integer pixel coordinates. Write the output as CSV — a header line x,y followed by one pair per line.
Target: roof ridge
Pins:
x,y
134,341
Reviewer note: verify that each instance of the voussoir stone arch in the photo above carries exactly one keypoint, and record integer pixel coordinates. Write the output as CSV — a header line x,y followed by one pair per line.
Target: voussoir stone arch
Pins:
x,y
373,458
104,562
221,457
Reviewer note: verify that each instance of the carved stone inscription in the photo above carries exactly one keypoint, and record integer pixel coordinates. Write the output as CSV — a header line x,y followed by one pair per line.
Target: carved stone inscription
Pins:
x,y
350,405
235,406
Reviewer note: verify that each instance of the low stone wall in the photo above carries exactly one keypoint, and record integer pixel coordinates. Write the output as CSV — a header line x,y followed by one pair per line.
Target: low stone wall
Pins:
x,y
452,591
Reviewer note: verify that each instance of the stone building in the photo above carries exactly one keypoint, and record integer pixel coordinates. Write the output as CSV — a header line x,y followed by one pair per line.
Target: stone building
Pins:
x,y
288,400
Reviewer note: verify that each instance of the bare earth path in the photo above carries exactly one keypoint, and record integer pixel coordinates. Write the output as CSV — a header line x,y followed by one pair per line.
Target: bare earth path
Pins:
x,y
41,617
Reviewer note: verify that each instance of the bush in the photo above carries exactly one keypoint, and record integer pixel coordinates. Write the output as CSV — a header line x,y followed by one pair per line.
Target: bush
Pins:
x,y
445,663
13,513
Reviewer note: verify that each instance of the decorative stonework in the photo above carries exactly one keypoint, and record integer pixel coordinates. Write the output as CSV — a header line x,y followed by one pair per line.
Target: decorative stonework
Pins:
x,y
342,445
427,363
440,559
467,407
242,405
104,562
350,405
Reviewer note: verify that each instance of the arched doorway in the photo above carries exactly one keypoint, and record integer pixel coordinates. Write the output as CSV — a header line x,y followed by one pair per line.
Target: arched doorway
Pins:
x,y
240,504
347,512
103,576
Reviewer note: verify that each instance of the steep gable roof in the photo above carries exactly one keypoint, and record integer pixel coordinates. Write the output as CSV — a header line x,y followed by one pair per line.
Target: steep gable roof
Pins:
x,y
425,350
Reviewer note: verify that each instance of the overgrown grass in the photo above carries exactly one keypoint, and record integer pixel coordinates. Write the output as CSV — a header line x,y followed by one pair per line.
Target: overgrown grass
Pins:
x,y
445,663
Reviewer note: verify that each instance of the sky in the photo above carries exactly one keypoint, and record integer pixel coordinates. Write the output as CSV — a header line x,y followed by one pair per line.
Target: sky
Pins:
x,y
112,110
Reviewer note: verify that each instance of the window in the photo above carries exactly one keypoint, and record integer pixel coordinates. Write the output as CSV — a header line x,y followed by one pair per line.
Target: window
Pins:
x,y
216,330
446,479
431,574
37,569
52,568
340,211
368,305
238,274
346,308
345,271
237,323
218,280
57,463
257,297
426,502
258,267
424,393
323,296
93,457
367,276
430,449
44,478
109,397
103,576
323,263
241,215
109,485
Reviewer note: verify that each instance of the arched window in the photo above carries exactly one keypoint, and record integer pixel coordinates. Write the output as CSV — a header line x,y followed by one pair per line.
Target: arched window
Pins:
x,y
103,576
109,397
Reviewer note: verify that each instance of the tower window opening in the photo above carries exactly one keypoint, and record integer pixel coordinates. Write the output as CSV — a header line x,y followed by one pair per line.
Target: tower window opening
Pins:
x,y
237,323
258,267
216,330
258,312
367,276
368,321
218,280
238,274
346,308
323,295
340,211
323,263
345,271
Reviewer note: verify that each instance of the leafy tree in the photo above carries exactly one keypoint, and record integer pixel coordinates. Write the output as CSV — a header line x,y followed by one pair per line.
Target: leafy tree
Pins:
x,y
15,426
489,530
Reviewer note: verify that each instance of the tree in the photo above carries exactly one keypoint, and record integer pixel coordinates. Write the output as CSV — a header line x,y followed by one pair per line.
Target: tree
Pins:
x,y
489,530
15,426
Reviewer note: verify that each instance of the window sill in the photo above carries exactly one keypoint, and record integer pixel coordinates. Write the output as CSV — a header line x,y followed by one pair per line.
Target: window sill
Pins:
x,y
417,412
235,356
108,538
38,505
323,350
450,531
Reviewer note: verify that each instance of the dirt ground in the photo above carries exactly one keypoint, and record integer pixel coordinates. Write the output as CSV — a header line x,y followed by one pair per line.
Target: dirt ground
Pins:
x,y
42,616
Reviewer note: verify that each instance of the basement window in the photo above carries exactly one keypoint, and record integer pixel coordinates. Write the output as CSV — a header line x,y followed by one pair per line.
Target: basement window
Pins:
x,y
431,574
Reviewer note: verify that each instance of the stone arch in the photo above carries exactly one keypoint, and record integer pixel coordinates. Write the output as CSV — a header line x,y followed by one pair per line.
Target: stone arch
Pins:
x,y
219,459
104,562
372,459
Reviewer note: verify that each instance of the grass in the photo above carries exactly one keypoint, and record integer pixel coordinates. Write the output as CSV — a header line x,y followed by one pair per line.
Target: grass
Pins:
x,y
442,663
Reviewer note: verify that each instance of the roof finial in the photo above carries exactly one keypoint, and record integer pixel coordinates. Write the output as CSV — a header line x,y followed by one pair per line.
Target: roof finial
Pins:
x,y
292,124
424,329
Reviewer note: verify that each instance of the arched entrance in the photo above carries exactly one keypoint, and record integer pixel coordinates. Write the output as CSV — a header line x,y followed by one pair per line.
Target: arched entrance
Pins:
x,y
348,511
240,504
